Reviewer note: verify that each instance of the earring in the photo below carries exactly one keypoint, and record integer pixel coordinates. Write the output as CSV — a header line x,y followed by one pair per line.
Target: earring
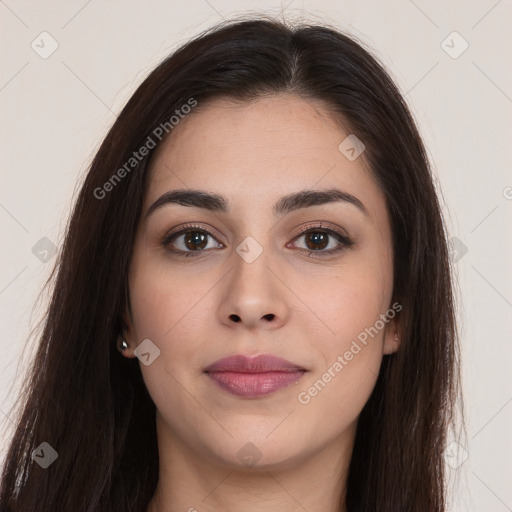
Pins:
x,y
396,337
124,345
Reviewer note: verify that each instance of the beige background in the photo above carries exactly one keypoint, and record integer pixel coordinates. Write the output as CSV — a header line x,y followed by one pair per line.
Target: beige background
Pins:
x,y
55,111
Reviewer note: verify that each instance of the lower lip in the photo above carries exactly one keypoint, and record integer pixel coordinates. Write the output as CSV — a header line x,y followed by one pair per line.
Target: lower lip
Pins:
x,y
252,385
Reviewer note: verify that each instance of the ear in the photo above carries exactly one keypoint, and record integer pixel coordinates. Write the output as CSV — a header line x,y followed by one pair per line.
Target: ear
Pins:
x,y
392,338
127,334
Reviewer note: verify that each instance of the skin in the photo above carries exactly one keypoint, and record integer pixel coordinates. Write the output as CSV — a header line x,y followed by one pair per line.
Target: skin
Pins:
x,y
253,154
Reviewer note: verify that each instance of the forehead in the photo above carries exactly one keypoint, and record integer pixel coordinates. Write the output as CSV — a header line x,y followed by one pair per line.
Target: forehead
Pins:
x,y
254,152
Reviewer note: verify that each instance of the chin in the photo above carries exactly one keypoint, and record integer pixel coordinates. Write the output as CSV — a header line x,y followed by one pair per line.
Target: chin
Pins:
x,y
260,449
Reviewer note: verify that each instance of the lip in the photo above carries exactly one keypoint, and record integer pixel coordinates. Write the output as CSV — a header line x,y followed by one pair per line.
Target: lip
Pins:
x,y
253,377
258,364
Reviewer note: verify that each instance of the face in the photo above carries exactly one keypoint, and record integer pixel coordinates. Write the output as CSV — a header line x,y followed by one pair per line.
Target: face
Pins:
x,y
307,279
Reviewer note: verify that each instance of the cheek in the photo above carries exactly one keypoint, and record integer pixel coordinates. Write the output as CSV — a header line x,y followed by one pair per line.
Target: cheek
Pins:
x,y
344,304
163,298
173,308
169,309
349,345
334,397
348,359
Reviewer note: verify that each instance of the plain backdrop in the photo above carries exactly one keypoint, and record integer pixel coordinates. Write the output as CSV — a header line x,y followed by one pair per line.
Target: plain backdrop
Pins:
x,y
56,108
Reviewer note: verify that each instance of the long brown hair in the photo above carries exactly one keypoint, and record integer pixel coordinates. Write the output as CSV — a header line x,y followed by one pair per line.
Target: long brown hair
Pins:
x,y
91,405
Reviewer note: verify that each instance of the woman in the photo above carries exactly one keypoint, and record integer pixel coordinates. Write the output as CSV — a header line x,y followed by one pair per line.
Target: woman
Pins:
x,y
253,304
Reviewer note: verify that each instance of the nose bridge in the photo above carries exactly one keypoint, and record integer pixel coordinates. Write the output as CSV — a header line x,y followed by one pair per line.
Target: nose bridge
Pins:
x,y
250,275
253,295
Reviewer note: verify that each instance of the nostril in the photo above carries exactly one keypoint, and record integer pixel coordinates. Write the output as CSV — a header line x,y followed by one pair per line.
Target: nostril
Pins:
x,y
269,316
235,318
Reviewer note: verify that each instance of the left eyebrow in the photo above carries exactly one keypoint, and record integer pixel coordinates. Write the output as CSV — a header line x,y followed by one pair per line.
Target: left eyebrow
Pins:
x,y
286,204
307,198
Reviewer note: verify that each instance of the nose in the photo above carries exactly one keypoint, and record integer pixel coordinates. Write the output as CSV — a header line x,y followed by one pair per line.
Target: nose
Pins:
x,y
253,297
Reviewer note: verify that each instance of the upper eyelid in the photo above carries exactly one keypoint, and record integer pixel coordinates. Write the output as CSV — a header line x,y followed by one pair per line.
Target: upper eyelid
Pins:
x,y
191,227
322,227
209,230
319,227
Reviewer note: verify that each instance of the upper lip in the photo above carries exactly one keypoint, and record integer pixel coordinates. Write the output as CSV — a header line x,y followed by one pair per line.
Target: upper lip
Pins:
x,y
259,364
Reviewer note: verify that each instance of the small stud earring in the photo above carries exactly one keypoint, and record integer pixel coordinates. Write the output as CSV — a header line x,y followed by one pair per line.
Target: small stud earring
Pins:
x,y
124,345
396,336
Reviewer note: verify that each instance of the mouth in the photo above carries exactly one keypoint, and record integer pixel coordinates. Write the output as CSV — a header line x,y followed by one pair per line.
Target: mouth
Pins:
x,y
254,377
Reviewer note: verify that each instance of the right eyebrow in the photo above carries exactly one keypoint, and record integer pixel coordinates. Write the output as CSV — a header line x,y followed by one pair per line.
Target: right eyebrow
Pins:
x,y
197,198
286,204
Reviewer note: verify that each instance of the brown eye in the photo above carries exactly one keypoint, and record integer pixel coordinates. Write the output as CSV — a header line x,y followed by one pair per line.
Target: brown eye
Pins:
x,y
195,240
189,241
323,241
316,240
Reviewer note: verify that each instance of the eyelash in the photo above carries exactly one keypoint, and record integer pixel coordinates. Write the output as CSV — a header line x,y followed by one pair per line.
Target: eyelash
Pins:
x,y
343,239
